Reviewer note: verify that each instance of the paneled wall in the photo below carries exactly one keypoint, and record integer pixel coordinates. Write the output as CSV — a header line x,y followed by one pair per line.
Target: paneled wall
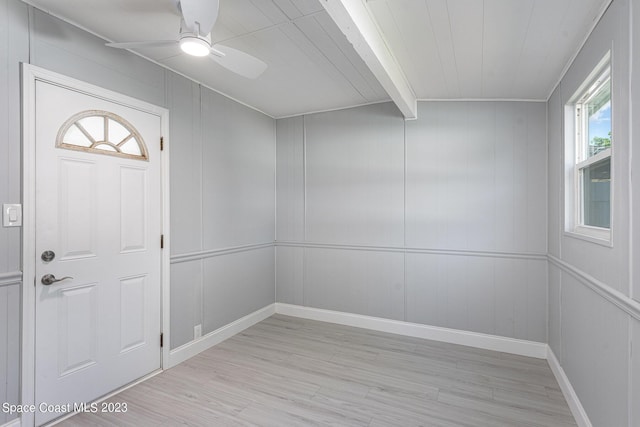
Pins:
x,y
222,209
634,360
10,341
439,221
593,320
222,159
14,42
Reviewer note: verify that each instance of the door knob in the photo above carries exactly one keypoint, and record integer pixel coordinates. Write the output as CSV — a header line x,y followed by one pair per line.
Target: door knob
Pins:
x,y
49,279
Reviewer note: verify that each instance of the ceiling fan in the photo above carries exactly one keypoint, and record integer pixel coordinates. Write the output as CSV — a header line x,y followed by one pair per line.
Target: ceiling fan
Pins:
x,y
198,18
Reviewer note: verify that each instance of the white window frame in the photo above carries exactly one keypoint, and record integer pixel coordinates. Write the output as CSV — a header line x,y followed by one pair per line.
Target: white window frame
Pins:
x,y
576,159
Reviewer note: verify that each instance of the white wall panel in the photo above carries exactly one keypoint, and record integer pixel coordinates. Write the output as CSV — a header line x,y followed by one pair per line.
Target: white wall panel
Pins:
x,y
185,145
4,350
355,176
595,351
555,166
426,289
452,291
14,48
476,177
537,300
437,208
555,310
236,285
635,161
479,160
362,282
521,176
289,275
509,290
186,301
536,181
635,374
521,298
9,353
238,173
290,179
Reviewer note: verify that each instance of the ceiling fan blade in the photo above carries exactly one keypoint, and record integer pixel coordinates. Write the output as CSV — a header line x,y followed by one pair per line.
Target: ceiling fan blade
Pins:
x,y
149,43
200,14
238,61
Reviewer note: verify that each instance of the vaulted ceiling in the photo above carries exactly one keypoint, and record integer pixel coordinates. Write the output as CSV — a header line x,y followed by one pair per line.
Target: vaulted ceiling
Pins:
x,y
328,54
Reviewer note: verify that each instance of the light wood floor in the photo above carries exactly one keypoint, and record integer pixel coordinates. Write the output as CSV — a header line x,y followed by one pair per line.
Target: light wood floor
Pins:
x,y
286,371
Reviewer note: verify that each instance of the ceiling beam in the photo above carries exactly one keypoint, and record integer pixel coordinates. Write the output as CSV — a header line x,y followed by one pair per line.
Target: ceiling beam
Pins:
x,y
355,21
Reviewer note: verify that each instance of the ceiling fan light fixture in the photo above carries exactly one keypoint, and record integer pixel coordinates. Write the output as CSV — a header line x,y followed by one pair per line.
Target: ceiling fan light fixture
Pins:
x,y
195,46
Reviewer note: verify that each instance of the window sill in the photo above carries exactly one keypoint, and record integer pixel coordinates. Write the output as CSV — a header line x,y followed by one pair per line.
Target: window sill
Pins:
x,y
600,236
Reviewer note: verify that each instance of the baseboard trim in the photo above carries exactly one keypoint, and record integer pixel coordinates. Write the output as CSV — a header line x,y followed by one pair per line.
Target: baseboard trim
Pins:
x,y
189,350
570,395
453,336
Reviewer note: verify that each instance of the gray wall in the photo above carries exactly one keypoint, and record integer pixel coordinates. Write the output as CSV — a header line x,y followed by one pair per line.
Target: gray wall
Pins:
x,y
222,157
634,361
440,221
222,209
14,42
592,319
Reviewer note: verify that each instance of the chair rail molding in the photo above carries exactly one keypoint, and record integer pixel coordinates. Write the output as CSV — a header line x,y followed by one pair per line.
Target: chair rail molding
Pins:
x,y
617,298
195,256
10,279
403,249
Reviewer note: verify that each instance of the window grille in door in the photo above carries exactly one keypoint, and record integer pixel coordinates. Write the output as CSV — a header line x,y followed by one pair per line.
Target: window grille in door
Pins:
x,y
102,132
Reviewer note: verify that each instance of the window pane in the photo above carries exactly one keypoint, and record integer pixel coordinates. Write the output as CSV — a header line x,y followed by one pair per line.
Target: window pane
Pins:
x,y
596,190
599,127
117,132
75,137
94,125
131,147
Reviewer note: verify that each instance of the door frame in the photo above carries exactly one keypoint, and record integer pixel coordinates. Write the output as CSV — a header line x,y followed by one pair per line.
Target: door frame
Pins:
x,y
30,75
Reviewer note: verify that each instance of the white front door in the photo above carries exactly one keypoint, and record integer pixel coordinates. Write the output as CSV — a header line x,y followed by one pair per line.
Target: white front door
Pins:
x,y
98,222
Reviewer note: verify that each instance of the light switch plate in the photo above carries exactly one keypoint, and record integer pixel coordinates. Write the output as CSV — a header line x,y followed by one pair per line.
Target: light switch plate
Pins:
x,y
11,215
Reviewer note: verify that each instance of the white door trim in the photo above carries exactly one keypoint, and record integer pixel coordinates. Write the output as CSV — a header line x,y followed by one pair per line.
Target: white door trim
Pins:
x,y
31,74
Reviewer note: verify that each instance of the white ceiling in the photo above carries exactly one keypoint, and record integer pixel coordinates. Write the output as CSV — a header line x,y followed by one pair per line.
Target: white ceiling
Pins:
x,y
504,49
448,49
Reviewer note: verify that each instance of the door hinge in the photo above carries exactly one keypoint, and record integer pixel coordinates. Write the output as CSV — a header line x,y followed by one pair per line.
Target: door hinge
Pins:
x,y
161,143
162,340
162,241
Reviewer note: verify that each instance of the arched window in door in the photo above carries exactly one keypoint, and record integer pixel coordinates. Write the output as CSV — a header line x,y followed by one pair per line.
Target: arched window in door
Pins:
x,y
102,132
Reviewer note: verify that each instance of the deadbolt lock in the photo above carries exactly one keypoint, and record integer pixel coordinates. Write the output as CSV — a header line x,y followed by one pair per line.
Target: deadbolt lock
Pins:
x,y
48,256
